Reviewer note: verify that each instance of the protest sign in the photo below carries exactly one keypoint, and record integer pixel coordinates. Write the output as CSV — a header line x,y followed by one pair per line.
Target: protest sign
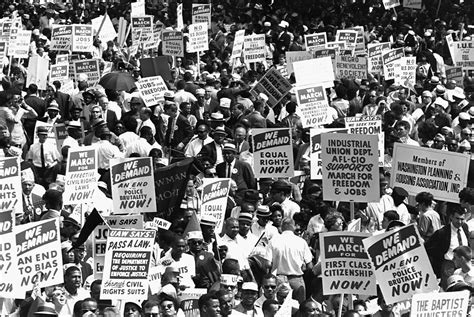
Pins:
x,y
62,59
413,4
60,131
254,48
315,149
82,38
61,37
22,45
201,13
237,48
351,66
388,59
189,301
454,73
14,28
350,167
170,184
5,27
401,265
360,42
374,57
273,85
81,176
347,36
405,73
214,195
347,52
154,278
59,72
155,40
127,260
272,153
90,67
3,53
101,233
106,32
340,45
312,105
315,40
418,169
305,74
157,223
173,44
137,9
133,186
389,4
440,304
368,125
463,53
8,260
37,72
156,66
345,265
296,56
319,52
38,247
142,29
10,185
152,90
179,17
198,38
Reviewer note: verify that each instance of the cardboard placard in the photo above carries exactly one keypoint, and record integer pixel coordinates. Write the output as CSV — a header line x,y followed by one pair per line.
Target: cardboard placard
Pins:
x,y
374,57
463,53
315,149
272,84
82,38
10,186
405,72
61,37
201,13
152,90
296,56
214,195
81,176
90,67
22,45
440,304
388,59
237,48
352,67
305,74
368,125
389,4
314,40
254,48
173,44
59,72
413,4
37,72
198,38
312,105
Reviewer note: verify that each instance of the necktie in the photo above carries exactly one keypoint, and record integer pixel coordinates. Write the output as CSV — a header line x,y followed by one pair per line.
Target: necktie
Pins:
x,y
459,237
29,201
43,164
229,175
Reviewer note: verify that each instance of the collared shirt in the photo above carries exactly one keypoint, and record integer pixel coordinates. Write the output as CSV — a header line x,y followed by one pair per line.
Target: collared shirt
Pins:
x,y
289,254
247,243
128,138
402,211
195,146
147,123
269,230
140,146
72,299
105,152
290,208
428,222
235,251
454,242
240,309
51,154
186,266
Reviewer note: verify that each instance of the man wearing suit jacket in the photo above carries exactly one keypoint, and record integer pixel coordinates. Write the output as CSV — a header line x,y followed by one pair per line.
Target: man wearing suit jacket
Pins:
x,y
53,116
32,197
179,132
441,244
240,139
108,115
64,100
239,171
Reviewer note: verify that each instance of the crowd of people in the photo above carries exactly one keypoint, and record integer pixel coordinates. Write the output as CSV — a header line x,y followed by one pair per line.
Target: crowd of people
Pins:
x,y
269,244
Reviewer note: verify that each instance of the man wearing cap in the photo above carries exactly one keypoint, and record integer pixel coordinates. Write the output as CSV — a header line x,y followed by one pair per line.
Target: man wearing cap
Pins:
x,y
45,157
213,150
239,171
32,196
53,116
263,226
247,303
208,225
245,238
207,272
176,257
280,192
224,107
463,120
74,135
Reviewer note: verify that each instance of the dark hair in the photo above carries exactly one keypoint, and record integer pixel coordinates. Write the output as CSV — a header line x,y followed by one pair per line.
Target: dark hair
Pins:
x,y
424,198
130,123
463,251
467,195
454,208
291,107
165,297
180,84
205,299
403,123
150,303
57,84
32,88
391,215
71,269
268,303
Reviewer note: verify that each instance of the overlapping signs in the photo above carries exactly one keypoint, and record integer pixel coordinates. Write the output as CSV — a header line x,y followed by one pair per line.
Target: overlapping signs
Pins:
x,y
315,40
374,60
152,89
82,38
313,105
214,198
366,125
61,36
272,152
389,58
254,48
142,29
10,185
201,13
273,85
173,44
81,176
90,67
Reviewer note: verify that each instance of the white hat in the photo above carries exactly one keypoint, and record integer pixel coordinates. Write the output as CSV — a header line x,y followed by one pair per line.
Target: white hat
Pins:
x,y
250,286
458,92
441,102
195,235
82,77
284,24
229,279
27,175
224,103
263,96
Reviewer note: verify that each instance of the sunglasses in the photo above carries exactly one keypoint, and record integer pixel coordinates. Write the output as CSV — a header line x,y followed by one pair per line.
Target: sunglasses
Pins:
x,y
152,314
269,286
169,306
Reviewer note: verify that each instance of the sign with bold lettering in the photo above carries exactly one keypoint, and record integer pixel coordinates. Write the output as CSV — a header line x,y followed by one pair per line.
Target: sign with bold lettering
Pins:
x,y
351,67
201,13
272,84
374,60
152,90
59,72
368,125
82,38
81,176
198,38
313,105
10,185
440,304
389,4
315,40
214,195
315,149
254,48
173,44
90,67
388,59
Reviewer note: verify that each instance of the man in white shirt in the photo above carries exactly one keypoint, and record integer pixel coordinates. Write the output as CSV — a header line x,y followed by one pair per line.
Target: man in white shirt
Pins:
x,y
73,285
462,260
145,121
106,150
195,146
399,195
280,192
234,245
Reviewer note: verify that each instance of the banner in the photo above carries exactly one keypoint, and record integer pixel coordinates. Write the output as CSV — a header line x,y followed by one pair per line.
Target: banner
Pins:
x,y
440,304
214,195
314,40
305,74
347,36
368,125
82,38
152,90
463,53
254,48
10,185
190,301
127,260
157,223
238,45
273,152
405,74
454,73
320,52
388,60
59,72
345,266
154,278
389,4
3,53
350,167
315,149
414,4
401,265
374,54
360,42
37,72
137,9
296,56
351,67
170,183
133,187
60,131
22,45
198,38
201,13
312,105
81,176
38,246
101,232
442,173
173,44
273,85
90,67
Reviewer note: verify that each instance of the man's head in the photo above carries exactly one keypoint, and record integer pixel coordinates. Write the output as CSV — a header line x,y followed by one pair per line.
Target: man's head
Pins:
x,y
178,247
209,305
402,128
53,199
389,216
42,133
245,222
208,225
229,152
269,285
136,104
72,279
457,215
185,108
145,113
399,194
263,215
424,200
466,198
202,131
89,305
308,308
231,227
270,307
226,302
249,295
240,134
280,190
462,256
95,289
151,308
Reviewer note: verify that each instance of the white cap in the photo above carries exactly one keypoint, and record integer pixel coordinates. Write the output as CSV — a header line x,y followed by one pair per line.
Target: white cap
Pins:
x,y
443,103
224,103
27,175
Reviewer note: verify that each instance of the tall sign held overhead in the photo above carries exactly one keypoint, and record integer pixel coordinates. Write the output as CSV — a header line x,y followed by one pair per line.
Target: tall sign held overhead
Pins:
x,y
198,38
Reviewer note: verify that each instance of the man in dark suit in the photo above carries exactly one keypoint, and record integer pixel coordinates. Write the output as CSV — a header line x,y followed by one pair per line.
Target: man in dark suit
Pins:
x,y
53,116
240,172
36,103
179,132
108,115
240,139
32,197
64,100
441,244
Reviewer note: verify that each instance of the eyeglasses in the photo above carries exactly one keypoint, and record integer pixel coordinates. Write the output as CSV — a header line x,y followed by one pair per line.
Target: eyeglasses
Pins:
x,y
196,242
169,306
152,314
269,286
